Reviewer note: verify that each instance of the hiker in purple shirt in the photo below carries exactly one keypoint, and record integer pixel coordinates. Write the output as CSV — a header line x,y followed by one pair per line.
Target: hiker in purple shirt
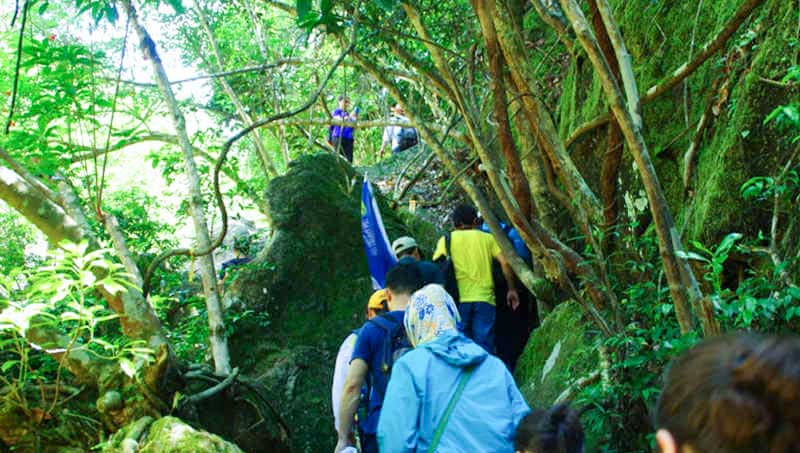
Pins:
x,y
341,137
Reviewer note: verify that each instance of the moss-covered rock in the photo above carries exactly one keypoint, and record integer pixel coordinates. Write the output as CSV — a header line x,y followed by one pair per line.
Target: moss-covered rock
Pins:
x,y
560,351
167,435
307,291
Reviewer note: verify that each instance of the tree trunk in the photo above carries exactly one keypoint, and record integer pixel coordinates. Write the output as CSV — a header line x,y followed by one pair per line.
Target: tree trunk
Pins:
x,y
536,112
613,155
683,286
519,184
216,335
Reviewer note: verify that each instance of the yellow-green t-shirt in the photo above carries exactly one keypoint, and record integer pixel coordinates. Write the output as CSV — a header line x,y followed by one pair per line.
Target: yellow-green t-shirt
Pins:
x,y
472,252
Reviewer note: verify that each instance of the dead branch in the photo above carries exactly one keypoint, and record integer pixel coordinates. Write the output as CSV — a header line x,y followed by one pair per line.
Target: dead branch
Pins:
x,y
416,177
575,388
690,156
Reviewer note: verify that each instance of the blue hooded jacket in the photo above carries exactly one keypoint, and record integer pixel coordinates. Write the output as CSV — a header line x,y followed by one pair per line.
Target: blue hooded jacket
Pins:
x,y
484,419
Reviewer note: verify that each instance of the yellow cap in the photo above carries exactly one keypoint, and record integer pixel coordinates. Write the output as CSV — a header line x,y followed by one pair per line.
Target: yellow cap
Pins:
x,y
377,300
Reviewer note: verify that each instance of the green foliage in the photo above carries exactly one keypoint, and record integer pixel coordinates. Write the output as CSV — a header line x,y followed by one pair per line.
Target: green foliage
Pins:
x,y
61,296
135,211
15,235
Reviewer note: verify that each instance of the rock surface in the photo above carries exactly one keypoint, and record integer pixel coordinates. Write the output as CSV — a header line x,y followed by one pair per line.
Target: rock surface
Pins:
x,y
169,435
307,290
562,350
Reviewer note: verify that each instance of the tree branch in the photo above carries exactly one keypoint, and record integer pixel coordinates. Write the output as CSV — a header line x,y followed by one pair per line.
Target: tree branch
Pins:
x,y
266,160
683,286
221,161
683,71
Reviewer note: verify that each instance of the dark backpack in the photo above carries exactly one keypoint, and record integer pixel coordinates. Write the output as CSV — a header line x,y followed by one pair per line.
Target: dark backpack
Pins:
x,y
395,344
449,271
406,138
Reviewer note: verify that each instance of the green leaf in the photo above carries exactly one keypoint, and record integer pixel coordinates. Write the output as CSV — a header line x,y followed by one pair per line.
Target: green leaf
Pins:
x,y
7,365
691,256
728,242
106,345
70,316
43,7
111,13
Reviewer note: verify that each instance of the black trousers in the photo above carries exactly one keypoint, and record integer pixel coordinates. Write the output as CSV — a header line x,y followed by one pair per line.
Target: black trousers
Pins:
x,y
343,146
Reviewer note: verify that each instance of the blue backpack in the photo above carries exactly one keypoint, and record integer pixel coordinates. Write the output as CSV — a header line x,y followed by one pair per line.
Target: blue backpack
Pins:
x,y
395,344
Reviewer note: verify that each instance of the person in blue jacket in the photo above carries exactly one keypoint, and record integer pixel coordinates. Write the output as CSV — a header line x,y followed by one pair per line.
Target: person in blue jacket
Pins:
x,y
424,382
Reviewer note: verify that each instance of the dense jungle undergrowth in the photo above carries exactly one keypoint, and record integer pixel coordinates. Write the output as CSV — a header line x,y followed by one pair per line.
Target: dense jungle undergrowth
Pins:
x,y
647,151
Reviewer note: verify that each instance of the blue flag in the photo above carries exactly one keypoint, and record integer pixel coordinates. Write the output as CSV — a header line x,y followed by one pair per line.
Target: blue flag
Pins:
x,y
380,257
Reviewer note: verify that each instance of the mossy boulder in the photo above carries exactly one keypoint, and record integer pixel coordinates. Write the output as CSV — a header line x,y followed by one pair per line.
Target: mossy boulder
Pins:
x,y
307,290
562,350
167,435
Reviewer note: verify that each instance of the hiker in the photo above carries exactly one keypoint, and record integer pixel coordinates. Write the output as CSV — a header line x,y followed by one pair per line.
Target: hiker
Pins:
x,y
468,252
512,327
448,393
553,430
241,248
406,251
379,342
376,306
734,393
341,137
398,137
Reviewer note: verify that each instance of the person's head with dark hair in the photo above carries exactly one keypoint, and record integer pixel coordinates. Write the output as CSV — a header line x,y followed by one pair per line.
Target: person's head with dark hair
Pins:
x,y
553,430
464,216
344,102
732,394
401,281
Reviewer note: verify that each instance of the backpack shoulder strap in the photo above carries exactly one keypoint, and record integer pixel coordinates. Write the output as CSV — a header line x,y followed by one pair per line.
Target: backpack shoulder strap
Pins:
x,y
437,435
385,322
447,246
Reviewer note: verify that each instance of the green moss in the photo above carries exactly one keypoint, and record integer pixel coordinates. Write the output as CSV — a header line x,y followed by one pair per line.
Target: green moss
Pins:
x,y
171,435
736,147
308,290
558,352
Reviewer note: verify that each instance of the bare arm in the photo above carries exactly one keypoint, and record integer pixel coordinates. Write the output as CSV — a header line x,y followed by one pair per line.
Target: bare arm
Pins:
x,y
511,296
349,402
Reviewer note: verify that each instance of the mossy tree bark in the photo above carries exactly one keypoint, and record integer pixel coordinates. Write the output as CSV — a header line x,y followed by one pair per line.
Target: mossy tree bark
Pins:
x,y
219,344
682,284
519,184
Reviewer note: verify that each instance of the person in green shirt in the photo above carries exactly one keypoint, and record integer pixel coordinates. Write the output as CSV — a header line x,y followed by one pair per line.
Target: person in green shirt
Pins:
x,y
472,252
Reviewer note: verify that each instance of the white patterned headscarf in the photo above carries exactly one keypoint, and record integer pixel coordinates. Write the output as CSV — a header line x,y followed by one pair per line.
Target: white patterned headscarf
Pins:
x,y
430,312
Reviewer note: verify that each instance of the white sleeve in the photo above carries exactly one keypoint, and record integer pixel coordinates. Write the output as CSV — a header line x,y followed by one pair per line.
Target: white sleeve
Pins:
x,y
340,374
